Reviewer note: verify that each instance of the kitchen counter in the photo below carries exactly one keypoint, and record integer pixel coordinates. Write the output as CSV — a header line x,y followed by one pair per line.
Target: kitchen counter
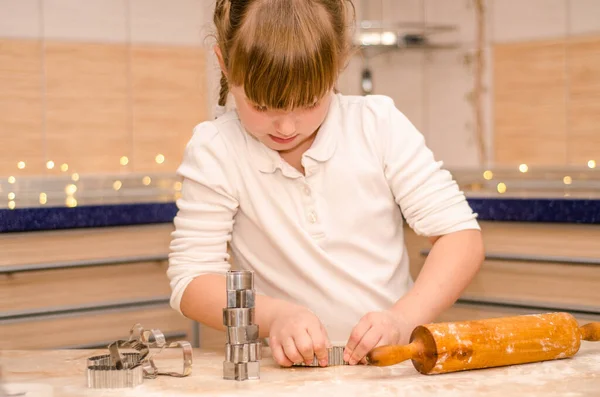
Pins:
x,y
91,201
62,373
551,210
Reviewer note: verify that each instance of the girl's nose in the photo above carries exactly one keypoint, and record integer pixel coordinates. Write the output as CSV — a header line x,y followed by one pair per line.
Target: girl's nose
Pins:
x,y
286,126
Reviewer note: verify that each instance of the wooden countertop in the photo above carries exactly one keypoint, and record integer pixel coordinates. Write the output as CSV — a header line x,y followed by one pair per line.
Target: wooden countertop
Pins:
x,y
62,373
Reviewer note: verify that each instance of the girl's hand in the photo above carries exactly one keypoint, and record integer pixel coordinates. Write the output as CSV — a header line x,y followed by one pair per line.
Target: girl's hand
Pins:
x,y
375,329
296,335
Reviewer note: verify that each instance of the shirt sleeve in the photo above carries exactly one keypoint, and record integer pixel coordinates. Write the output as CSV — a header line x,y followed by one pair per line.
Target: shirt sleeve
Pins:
x,y
206,209
427,194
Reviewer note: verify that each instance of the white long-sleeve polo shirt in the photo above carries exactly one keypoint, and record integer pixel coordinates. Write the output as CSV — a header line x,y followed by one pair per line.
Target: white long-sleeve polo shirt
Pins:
x,y
332,239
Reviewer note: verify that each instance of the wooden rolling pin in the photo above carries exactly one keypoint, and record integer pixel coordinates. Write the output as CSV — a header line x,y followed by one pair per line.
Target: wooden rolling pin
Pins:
x,y
458,346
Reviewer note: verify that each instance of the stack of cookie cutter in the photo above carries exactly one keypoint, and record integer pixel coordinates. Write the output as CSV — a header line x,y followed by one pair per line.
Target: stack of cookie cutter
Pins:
x,y
335,357
243,346
129,369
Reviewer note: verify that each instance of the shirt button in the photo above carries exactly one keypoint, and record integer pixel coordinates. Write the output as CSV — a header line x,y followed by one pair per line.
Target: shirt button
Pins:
x,y
307,190
312,217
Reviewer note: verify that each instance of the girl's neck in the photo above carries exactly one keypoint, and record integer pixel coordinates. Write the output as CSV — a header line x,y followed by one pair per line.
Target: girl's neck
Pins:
x,y
294,156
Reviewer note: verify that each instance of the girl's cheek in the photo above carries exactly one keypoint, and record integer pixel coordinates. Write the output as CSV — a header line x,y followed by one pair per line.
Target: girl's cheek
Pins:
x,y
256,124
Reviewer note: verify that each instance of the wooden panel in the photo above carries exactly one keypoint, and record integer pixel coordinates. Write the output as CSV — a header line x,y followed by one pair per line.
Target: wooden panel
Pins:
x,y
462,312
87,105
21,107
83,286
529,107
72,245
537,283
541,283
524,238
91,328
579,241
584,100
168,101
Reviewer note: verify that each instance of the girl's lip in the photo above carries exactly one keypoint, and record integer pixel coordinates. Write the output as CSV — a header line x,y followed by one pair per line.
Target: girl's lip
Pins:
x,y
283,140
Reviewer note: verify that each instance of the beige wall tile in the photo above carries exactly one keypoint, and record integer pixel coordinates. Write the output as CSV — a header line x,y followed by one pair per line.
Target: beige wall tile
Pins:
x,y
529,109
90,20
20,18
584,100
399,75
399,14
20,107
182,22
368,9
516,20
349,80
87,118
488,104
449,112
460,14
169,100
584,16
402,11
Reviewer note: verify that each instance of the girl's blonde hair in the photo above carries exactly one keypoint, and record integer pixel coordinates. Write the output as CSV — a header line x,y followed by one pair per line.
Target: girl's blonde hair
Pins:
x,y
285,53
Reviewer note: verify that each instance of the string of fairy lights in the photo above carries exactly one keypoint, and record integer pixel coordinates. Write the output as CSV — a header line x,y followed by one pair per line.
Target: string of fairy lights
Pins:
x,y
502,188
71,189
69,195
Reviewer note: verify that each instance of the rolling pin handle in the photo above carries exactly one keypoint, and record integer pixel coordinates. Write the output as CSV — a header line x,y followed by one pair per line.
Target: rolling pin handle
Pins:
x,y
383,356
590,332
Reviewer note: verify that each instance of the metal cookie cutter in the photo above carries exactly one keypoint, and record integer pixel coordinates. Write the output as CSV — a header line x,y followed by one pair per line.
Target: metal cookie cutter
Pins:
x,y
102,372
125,370
241,371
243,353
335,357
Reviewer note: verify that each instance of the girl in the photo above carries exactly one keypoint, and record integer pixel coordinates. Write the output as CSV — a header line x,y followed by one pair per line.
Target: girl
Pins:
x,y
308,188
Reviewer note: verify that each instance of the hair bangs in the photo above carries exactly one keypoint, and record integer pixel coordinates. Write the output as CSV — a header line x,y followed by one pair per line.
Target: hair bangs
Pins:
x,y
285,62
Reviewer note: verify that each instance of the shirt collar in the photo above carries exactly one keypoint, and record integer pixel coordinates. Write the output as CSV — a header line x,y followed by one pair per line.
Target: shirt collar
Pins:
x,y
268,160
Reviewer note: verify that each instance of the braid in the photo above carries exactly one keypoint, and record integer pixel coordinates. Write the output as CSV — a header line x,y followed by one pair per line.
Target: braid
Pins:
x,y
222,21
224,90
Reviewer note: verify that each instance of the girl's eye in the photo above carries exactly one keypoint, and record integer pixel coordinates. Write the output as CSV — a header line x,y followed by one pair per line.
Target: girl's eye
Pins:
x,y
259,108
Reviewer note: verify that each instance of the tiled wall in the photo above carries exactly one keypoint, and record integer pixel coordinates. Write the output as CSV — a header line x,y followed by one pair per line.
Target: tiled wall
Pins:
x,y
432,87
87,82
547,82
100,86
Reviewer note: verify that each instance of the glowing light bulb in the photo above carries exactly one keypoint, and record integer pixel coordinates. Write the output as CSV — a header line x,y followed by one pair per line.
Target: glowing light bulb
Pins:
x,y
117,185
12,179
75,177
592,164
11,196
21,165
71,202
50,164
11,205
43,198
159,159
178,186
501,188
64,167
124,160
488,175
71,189
146,180
567,180
523,168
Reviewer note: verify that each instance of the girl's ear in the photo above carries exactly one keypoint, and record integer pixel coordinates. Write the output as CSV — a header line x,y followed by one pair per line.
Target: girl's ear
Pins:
x,y
219,55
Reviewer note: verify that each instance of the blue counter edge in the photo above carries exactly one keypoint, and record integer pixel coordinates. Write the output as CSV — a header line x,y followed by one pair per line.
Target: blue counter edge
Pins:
x,y
488,209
